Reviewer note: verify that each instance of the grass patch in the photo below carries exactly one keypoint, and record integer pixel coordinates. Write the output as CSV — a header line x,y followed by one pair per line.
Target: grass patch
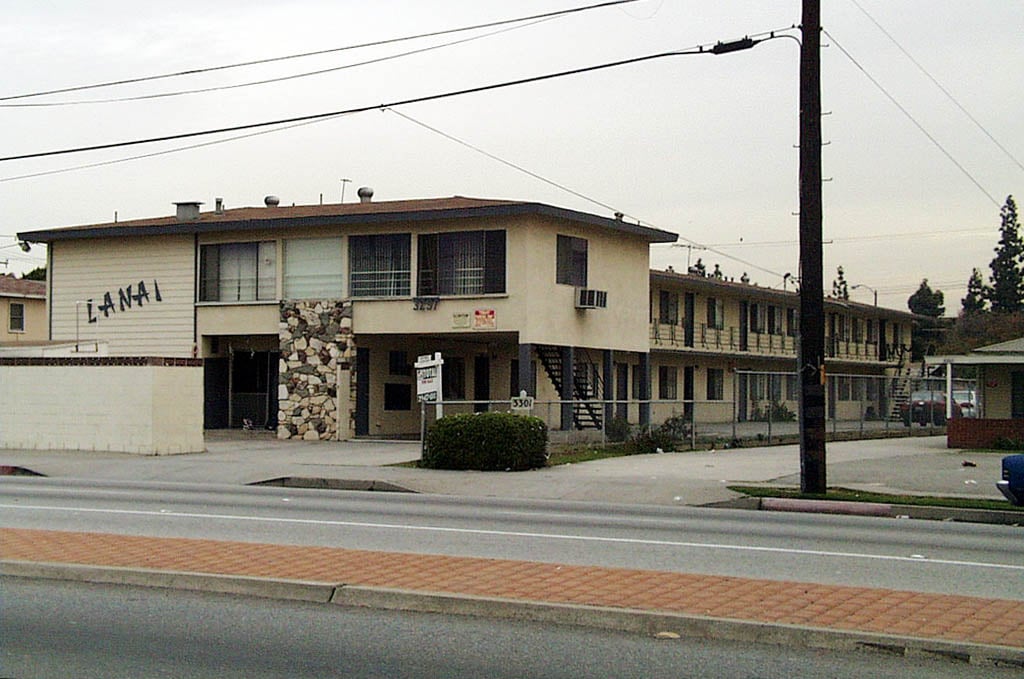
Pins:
x,y
847,495
584,453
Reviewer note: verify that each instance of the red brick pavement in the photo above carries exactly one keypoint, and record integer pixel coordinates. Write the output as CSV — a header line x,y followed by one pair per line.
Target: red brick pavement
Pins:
x,y
930,616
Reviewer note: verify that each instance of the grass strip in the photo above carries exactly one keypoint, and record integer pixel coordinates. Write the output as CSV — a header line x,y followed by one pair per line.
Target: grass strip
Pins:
x,y
848,495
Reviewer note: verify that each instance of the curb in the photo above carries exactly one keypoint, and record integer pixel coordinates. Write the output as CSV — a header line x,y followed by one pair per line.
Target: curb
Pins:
x,y
619,619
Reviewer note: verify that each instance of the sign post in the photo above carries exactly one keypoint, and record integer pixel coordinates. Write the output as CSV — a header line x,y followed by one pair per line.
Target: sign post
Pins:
x,y
428,380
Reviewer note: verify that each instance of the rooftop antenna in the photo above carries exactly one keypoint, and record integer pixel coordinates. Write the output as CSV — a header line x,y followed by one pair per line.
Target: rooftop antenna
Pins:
x,y
343,182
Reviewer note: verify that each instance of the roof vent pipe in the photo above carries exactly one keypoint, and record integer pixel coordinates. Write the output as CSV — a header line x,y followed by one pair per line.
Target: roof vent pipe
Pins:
x,y
271,201
365,194
218,205
187,211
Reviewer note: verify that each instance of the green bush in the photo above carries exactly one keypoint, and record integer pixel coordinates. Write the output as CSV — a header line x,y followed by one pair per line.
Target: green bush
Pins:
x,y
617,429
486,442
775,411
649,440
1007,443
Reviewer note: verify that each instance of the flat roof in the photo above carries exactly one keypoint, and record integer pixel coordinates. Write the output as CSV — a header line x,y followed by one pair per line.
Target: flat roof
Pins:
x,y
341,214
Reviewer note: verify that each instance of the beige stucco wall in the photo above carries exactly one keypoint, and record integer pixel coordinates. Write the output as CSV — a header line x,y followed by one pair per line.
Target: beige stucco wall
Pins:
x,y
35,320
996,391
90,269
150,410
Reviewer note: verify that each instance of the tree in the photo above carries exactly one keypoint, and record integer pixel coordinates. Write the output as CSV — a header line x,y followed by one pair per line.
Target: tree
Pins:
x,y
839,287
974,302
927,302
1007,291
36,274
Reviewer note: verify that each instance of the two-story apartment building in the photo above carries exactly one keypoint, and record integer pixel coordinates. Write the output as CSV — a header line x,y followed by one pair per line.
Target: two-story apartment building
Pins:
x,y
732,348
309,318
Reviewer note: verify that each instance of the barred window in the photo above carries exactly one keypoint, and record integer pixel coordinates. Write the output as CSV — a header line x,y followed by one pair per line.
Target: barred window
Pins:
x,y
380,265
461,263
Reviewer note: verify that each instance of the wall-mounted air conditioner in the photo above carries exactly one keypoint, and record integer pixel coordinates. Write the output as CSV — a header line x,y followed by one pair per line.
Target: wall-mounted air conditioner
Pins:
x,y
591,299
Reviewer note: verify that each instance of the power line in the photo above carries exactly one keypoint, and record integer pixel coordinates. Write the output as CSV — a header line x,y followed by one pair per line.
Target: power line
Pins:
x,y
910,117
267,81
361,109
939,85
375,43
851,239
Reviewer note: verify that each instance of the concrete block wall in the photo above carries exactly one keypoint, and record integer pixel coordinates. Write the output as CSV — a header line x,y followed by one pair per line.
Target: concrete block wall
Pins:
x,y
148,406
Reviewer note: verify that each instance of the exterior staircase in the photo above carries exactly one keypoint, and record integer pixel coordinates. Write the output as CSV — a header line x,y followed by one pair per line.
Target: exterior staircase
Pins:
x,y
587,384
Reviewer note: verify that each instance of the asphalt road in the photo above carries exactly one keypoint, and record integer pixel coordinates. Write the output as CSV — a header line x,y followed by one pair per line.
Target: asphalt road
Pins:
x,y
60,629
968,559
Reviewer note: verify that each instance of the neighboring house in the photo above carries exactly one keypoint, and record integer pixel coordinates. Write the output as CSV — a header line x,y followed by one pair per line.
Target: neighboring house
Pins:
x,y
23,309
309,318
999,397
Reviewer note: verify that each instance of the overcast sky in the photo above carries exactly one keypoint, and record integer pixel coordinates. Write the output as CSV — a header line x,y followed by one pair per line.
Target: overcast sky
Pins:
x,y
703,146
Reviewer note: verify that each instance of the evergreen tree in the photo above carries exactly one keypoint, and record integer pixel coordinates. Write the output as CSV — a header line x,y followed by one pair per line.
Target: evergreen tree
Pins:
x,y
1007,291
926,301
839,287
974,302
36,274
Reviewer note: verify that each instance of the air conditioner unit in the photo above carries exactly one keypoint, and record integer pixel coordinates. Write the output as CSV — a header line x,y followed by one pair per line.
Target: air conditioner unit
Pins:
x,y
591,299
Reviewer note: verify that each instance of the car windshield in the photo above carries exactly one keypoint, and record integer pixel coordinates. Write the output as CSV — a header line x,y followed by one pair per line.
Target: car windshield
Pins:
x,y
927,396
963,396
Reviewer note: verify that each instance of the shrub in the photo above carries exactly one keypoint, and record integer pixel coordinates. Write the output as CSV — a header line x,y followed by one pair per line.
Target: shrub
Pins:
x,y
617,429
1007,443
777,412
650,440
486,442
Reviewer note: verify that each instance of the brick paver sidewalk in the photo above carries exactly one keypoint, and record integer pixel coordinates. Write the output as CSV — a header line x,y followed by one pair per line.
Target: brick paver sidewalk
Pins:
x,y
931,616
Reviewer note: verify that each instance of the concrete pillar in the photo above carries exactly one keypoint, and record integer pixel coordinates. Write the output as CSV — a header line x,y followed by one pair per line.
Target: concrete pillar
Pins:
x,y
645,388
526,370
568,376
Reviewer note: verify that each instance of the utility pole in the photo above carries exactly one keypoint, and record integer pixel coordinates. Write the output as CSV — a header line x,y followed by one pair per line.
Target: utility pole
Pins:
x,y
812,311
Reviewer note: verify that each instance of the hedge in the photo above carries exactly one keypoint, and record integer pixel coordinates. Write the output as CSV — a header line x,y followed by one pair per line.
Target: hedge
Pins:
x,y
486,442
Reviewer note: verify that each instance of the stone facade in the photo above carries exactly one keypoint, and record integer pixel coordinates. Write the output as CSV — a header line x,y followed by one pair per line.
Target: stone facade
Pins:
x,y
316,344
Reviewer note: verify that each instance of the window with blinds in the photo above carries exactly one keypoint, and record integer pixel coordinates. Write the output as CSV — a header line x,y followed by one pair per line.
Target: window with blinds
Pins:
x,y
380,265
313,268
238,272
461,263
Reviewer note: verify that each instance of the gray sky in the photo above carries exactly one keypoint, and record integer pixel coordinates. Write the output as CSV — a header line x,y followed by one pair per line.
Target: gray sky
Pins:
x,y
700,145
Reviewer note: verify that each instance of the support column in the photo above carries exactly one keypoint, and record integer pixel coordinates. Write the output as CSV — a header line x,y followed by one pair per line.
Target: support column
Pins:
x,y
568,376
608,375
526,370
645,389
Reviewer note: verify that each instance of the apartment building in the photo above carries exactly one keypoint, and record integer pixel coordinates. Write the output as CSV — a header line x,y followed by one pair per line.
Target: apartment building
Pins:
x,y
23,308
310,318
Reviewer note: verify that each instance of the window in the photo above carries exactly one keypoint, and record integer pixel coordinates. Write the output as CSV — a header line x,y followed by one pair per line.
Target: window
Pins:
x,y
397,397
716,384
17,317
872,331
313,268
238,272
398,363
792,388
756,318
571,267
667,386
858,330
792,323
716,313
774,320
668,307
380,266
461,263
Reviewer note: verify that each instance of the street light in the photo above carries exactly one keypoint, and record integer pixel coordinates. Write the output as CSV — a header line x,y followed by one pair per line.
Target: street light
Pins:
x,y
862,285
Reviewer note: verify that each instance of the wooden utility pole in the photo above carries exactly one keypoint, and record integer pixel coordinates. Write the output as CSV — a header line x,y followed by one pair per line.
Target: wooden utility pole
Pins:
x,y
812,311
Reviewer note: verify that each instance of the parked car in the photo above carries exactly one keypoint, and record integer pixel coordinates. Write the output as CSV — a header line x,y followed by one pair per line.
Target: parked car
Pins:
x,y
927,407
968,402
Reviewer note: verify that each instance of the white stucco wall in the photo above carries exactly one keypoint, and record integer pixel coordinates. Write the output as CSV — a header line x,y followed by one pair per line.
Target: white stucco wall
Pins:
x,y
68,404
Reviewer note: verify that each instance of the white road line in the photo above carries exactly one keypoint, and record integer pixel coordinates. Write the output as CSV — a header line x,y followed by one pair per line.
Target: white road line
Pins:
x,y
917,559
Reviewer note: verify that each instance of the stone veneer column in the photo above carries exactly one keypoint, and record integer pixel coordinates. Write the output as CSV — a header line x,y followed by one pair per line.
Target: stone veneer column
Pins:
x,y
316,341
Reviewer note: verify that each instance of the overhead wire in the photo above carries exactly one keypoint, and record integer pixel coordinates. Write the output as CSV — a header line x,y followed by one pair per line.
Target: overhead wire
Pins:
x,y
700,50
912,119
267,81
939,85
375,43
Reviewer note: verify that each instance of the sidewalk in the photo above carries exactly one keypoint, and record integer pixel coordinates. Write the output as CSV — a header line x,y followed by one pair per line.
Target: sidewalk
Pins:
x,y
968,629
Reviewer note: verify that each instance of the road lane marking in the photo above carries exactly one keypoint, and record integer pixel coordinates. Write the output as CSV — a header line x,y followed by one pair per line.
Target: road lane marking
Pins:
x,y
520,534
